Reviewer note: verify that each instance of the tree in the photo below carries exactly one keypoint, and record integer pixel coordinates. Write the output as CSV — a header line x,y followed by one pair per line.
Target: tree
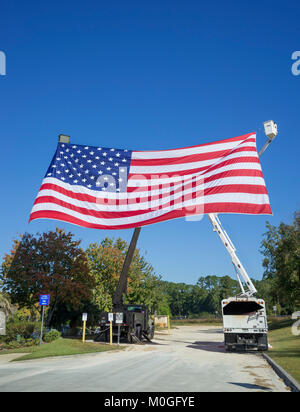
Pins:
x,y
205,296
49,263
228,287
265,292
105,262
281,248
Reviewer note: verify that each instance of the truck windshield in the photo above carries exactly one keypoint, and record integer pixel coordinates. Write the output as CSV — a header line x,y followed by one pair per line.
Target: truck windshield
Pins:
x,y
134,309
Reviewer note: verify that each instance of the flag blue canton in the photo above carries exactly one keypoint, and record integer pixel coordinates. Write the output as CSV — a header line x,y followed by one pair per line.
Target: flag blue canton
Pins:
x,y
95,168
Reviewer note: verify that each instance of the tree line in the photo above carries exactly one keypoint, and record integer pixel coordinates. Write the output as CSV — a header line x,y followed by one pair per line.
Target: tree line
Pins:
x,y
77,280
81,280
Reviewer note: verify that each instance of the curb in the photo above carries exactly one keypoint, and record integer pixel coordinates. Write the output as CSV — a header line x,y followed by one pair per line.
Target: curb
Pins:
x,y
287,378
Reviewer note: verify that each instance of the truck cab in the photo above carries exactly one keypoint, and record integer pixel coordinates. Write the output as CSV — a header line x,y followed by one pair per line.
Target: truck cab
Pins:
x,y
137,323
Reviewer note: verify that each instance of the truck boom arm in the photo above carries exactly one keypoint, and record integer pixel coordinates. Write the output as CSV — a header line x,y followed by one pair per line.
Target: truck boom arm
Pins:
x,y
232,252
122,284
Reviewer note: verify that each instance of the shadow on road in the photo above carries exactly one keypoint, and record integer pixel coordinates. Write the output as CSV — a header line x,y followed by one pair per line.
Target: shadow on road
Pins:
x,y
251,386
210,331
168,341
208,346
146,342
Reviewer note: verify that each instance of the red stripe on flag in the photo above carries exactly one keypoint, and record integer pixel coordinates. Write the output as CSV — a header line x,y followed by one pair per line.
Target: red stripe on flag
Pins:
x,y
190,158
184,197
165,175
228,173
243,208
231,139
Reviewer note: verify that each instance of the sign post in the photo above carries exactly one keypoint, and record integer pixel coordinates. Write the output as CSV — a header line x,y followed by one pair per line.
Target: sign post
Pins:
x,y
110,319
119,320
84,319
44,301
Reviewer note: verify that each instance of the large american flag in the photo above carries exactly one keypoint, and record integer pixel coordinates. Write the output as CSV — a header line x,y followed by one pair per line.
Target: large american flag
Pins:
x,y
107,188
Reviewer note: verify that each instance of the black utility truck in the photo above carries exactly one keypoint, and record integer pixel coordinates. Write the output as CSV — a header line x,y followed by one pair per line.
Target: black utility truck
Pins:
x,y
130,322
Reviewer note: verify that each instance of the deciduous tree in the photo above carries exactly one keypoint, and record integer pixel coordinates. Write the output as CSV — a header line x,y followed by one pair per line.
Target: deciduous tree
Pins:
x,y
105,262
281,248
48,263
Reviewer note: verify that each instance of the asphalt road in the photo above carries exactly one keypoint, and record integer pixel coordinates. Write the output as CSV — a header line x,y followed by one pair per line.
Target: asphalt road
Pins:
x,y
190,359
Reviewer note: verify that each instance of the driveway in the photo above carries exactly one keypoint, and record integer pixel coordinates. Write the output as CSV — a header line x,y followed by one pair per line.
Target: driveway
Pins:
x,y
190,359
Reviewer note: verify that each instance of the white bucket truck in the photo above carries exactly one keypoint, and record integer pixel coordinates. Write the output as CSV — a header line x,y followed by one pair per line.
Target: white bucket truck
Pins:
x,y
244,316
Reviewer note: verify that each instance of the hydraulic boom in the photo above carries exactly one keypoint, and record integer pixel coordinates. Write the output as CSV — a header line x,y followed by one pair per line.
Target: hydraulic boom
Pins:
x,y
271,132
122,284
240,270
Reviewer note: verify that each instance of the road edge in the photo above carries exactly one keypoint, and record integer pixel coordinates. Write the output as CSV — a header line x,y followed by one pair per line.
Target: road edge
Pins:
x,y
287,378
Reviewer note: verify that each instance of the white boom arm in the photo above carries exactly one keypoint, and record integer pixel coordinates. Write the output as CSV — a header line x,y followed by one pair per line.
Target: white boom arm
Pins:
x,y
271,133
235,260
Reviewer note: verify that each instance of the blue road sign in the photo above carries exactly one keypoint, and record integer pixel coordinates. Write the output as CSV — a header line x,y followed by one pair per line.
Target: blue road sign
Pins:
x,y
44,300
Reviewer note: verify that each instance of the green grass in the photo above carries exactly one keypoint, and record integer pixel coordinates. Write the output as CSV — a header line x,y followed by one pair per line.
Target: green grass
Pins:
x,y
191,322
60,347
286,347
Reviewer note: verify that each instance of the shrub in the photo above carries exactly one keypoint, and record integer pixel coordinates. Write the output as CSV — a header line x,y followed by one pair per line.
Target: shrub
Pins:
x,y
12,345
52,335
31,342
17,329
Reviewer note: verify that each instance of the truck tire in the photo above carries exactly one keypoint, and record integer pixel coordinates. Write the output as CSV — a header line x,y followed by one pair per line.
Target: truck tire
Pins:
x,y
229,342
151,335
262,342
129,337
138,332
230,348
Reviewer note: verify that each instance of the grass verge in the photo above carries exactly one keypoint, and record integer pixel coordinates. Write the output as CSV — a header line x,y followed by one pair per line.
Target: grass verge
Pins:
x,y
285,347
191,322
60,347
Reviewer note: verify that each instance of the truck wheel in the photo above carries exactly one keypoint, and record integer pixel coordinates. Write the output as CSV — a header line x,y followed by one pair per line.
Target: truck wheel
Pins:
x,y
129,338
151,335
262,343
138,332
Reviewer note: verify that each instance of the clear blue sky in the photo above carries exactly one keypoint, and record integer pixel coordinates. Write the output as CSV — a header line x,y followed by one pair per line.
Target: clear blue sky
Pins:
x,y
150,75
